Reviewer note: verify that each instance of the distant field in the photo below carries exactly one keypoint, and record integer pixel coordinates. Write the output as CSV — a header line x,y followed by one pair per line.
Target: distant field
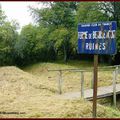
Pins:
x,y
34,90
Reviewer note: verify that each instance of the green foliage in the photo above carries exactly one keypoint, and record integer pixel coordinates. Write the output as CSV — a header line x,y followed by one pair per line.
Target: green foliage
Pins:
x,y
118,40
111,9
8,36
89,12
58,36
59,18
26,43
55,34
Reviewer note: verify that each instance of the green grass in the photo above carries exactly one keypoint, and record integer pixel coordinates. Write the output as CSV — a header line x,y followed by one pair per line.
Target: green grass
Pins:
x,y
70,64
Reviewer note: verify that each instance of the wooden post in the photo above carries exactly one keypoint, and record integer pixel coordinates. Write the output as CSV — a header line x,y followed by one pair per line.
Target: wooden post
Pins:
x,y
59,82
114,88
115,73
82,84
92,80
95,86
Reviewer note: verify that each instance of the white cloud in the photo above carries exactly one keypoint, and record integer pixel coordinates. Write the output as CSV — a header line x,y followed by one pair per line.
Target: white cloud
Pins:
x,y
19,11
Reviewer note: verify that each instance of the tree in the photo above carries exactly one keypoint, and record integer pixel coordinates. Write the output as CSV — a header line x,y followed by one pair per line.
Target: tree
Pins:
x,y
111,9
58,15
26,43
89,12
8,37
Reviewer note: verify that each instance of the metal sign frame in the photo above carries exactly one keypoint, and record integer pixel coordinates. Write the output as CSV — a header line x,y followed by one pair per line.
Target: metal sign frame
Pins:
x,y
97,38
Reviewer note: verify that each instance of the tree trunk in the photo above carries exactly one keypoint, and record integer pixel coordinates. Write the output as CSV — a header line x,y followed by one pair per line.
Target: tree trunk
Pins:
x,y
65,54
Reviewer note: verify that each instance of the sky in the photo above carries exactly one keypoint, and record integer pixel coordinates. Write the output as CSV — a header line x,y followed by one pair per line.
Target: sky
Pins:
x,y
19,11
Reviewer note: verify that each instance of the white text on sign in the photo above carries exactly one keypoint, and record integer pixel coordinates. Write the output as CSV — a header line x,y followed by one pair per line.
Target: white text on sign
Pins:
x,y
97,35
95,46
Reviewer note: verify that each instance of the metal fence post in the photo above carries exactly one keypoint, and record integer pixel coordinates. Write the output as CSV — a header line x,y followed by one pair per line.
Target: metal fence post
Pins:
x,y
82,84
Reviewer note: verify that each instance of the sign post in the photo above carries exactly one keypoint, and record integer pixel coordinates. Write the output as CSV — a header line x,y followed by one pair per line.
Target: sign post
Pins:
x,y
97,39
95,85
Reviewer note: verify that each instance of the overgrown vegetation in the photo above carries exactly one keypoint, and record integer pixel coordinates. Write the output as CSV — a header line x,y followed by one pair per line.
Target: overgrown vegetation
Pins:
x,y
54,36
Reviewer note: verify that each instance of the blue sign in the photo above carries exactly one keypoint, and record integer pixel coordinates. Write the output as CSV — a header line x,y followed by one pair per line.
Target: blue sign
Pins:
x,y
97,38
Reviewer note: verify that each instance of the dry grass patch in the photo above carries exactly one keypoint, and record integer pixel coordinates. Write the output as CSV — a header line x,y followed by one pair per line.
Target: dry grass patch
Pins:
x,y
71,80
35,94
